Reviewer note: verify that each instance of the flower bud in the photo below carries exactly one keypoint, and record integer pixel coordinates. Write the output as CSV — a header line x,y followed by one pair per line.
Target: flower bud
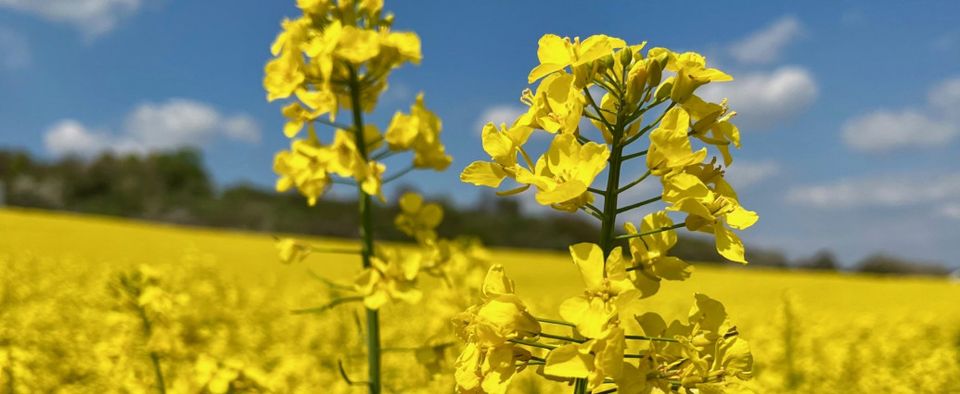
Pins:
x,y
626,56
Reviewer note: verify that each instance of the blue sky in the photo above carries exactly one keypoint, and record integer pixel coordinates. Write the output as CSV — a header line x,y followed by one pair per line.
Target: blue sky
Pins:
x,y
849,110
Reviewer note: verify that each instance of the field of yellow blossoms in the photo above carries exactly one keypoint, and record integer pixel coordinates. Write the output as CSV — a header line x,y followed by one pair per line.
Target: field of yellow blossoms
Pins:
x,y
221,317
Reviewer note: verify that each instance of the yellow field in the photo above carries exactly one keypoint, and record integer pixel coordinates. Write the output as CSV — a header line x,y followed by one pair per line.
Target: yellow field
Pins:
x,y
227,320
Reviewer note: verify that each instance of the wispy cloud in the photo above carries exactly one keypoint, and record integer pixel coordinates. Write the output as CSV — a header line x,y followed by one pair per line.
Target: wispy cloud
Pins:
x,y
889,191
936,124
497,114
745,173
92,17
764,99
765,46
153,126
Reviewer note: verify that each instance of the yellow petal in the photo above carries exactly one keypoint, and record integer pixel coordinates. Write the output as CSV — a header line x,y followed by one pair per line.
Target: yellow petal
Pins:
x,y
568,362
729,245
483,173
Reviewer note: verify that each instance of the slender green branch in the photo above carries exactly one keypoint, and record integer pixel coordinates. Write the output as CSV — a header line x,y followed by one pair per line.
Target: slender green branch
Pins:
x,y
647,128
639,204
634,183
597,108
593,208
582,140
154,357
342,182
635,155
346,378
592,213
333,124
557,322
651,232
646,338
397,175
383,155
366,235
533,344
596,191
561,337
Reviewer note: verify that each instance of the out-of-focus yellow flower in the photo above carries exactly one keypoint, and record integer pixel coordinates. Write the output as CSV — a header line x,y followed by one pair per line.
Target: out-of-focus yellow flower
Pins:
x,y
292,251
565,172
391,276
304,166
419,131
503,145
595,359
709,212
608,289
417,219
649,253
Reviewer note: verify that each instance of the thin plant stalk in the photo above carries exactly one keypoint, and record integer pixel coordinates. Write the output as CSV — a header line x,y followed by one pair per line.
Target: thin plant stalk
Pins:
x,y
366,237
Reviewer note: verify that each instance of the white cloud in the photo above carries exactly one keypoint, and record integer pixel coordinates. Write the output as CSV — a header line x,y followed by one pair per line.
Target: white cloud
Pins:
x,y
502,113
945,96
69,136
14,50
763,99
765,46
743,173
153,126
885,130
936,124
92,17
951,211
889,191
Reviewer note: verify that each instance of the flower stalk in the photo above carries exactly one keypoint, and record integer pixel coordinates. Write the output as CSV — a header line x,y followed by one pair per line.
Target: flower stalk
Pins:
x,y
366,238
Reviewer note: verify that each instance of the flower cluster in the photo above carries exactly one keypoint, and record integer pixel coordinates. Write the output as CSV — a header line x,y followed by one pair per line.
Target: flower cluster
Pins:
x,y
338,55
706,353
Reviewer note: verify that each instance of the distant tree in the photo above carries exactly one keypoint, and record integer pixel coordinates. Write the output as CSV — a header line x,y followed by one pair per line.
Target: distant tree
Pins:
x,y
886,264
823,260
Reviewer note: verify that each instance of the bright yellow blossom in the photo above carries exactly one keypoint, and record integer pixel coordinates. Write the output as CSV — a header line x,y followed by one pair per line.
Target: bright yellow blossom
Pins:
x,y
608,290
304,166
292,251
563,174
595,359
489,361
649,253
503,145
556,107
692,72
670,145
556,53
709,212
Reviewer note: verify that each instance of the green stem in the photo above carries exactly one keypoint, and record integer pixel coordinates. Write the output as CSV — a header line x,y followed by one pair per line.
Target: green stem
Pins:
x,y
533,344
651,232
366,236
634,183
154,357
554,321
639,204
561,337
397,175
635,155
